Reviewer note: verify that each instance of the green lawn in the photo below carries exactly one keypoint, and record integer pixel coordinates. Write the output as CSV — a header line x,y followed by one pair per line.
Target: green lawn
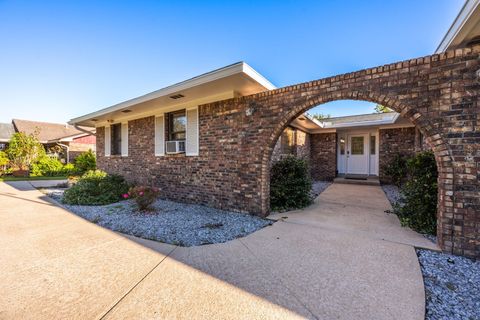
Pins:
x,y
10,178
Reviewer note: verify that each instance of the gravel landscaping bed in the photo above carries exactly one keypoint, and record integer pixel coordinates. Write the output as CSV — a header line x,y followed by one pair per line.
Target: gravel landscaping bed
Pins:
x,y
452,286
392,192
318,187
170,222
452,283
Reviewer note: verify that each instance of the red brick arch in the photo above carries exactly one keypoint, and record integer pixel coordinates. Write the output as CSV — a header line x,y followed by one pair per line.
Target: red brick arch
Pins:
x,y
434,139
438,94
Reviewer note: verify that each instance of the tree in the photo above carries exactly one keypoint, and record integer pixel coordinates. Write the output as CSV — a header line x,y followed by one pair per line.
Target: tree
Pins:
x,y
382,109
321,116
23,150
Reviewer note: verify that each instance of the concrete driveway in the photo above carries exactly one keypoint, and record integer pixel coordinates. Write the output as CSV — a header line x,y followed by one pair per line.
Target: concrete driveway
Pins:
x,y
339,259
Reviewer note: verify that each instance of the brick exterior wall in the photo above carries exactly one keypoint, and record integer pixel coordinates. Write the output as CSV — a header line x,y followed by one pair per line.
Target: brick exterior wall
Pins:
x,y
323,156
294,142
392,142
302,144
438,93
209,179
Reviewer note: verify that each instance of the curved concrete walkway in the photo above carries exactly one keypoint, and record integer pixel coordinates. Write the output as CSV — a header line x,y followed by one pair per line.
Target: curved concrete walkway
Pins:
x,y
330,261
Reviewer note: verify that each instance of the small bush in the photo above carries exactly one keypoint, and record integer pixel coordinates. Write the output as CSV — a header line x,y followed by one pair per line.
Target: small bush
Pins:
x,y
3,163
397,170
417,207
47,166
70,169
86,161
96,187
290,184
143,196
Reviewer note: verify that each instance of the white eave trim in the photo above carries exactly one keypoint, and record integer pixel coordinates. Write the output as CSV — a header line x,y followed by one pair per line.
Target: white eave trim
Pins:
x,y
467,10
389,120
240,67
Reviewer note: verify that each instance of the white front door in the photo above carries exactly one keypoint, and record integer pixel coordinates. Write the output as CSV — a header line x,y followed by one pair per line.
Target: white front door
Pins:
x,y
357,154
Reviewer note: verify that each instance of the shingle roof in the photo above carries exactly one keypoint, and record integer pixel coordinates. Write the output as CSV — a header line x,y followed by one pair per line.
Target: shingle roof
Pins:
x,y
48,131
6,131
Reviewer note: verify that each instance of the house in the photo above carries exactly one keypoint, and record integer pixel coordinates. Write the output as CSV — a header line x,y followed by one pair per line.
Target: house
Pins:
x,y
210,139
167,134
6,132
352,146
61,140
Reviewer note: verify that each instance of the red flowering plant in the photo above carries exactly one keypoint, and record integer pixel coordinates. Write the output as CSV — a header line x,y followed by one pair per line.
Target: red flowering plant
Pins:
x,y
143,196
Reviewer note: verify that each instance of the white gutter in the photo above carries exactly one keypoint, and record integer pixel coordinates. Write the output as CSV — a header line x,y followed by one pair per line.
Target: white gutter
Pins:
x,y
331,125
467,10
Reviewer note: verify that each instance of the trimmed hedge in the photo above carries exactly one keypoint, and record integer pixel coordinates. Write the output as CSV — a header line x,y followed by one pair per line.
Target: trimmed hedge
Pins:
x,y
290,184
96,187
417,207
86,161
47,166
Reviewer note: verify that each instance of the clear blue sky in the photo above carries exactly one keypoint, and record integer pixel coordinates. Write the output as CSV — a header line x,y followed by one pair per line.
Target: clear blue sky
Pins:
x,y
61,59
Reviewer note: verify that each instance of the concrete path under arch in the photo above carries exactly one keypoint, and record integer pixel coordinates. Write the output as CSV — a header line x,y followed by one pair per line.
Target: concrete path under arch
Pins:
x,y
57,265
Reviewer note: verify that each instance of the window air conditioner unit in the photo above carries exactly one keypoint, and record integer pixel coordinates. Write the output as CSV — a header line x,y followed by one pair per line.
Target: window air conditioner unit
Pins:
x,y
175,147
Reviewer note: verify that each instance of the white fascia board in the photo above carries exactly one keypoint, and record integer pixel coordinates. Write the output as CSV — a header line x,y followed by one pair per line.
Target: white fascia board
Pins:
x,y
361,123
468,8
235,68
252,73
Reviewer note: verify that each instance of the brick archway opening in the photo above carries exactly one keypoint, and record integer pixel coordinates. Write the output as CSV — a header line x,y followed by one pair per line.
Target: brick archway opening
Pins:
x,y
433,139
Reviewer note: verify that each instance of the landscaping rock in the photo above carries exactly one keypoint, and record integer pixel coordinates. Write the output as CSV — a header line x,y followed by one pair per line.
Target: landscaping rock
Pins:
x,y
318,187
169,222
392,192
452,286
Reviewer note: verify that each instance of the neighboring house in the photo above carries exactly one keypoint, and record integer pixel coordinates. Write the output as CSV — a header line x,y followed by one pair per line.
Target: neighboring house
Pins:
x,y
61,140
6,132
360,145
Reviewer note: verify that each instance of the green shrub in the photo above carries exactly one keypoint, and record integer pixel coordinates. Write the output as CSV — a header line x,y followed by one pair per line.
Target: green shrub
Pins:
x,y
143,196
3,163
417,207
396,170
290,184
86,161
70,169
47,166
96,187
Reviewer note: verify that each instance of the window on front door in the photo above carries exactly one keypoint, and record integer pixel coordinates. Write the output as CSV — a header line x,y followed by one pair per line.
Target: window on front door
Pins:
x,y
177,125
116,130
357,145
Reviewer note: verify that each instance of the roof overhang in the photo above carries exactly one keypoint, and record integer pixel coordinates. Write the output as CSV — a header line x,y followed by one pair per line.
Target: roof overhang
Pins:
x,y
387,118
235,80
464,28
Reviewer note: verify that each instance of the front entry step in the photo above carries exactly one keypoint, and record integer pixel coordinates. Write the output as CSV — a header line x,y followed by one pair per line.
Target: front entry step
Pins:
x,y
357,179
